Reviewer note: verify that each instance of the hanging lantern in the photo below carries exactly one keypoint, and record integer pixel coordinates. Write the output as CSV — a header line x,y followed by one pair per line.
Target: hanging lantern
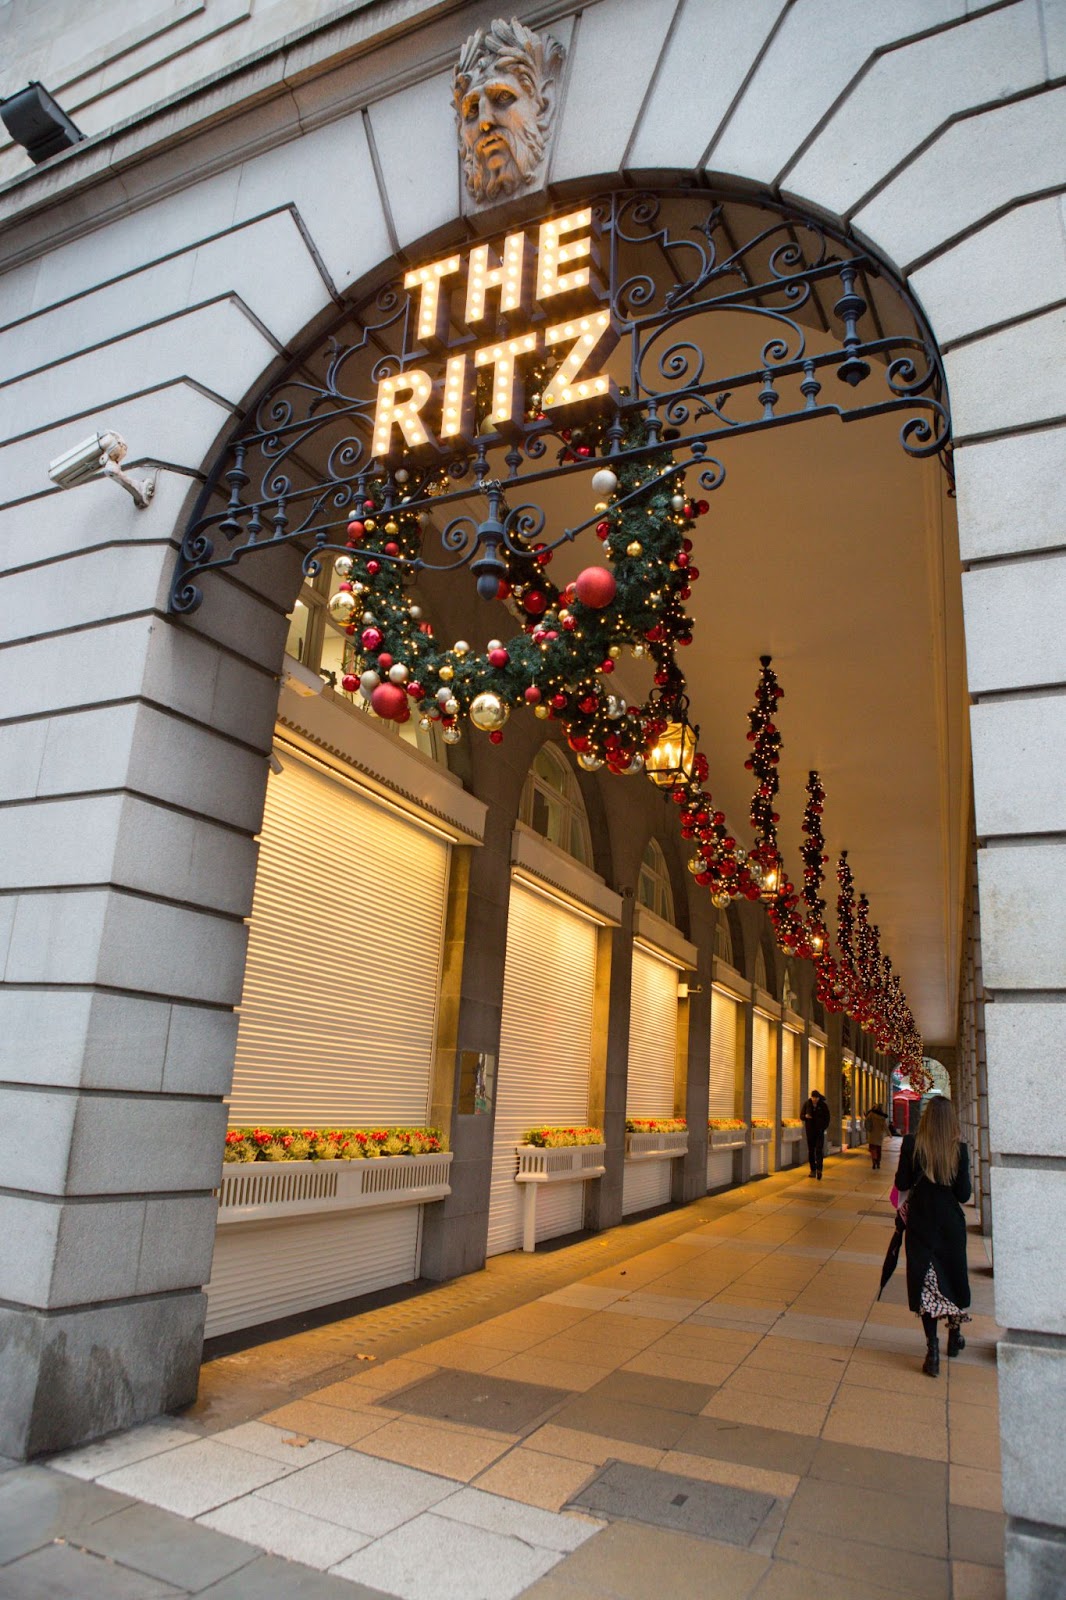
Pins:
x,y
670,761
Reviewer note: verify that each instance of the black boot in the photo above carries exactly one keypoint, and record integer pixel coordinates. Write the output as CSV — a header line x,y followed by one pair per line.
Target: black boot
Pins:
x,y
931,1364
956,1342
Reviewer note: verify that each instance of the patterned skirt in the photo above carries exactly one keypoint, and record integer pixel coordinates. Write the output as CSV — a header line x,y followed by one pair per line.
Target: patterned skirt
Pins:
x,y
936,1304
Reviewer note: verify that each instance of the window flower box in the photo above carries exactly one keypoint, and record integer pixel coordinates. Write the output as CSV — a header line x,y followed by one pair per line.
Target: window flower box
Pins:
x,y
265,1191
726,1133
761,1130
541,1164
791,1129
656,1144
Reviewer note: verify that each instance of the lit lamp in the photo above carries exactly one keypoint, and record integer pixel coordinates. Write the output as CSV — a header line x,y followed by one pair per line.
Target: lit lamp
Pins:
x,y
671,759
771,881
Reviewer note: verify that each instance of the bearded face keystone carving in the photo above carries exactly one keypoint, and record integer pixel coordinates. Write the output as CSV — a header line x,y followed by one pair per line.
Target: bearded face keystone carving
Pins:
x,y
503,89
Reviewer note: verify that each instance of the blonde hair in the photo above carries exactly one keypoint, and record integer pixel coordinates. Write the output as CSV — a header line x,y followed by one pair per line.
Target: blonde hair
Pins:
x,y
936,1144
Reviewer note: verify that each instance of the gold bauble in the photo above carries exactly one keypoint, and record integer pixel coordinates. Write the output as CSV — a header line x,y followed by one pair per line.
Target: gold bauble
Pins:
x,y
488,712
540,711
447,673
634,548
369,524
391,527
614,651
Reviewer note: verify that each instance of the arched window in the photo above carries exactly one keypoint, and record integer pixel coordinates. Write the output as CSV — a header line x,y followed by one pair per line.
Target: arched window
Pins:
x,y
789,996
653,885
760,968
551,805
723,940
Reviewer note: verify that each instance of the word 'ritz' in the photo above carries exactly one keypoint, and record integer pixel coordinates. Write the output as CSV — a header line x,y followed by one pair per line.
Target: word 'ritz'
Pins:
x,y
402,397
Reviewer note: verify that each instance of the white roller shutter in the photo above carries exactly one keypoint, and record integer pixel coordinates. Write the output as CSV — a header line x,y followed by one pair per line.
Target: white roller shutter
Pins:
x,y
790,1073
339,1012
545,1043
724,1012
275,1270
652,1037
650,1084
760,1067
816,1067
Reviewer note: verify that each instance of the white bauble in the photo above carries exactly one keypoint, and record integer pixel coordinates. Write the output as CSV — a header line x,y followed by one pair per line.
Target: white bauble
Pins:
x,y
398,673
604,481
369,681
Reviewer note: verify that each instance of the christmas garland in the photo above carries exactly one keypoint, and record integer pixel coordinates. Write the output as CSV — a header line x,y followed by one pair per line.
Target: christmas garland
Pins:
x,y
561,662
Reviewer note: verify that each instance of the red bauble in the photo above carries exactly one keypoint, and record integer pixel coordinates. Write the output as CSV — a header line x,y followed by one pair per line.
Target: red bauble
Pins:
x,y
569,623
534,602
503,589
349,629
498,658
596,587
344,588
384,661
355,531
368,505
607,666
532,694
692,574
390,702
373,568
349,683
392,548
496,736
558,702
588,704
371,638
602,529
702,508
682,557
414,690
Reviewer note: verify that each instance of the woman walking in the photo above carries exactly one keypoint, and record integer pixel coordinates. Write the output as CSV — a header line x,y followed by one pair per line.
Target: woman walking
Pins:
x,y
933,1178
876,1124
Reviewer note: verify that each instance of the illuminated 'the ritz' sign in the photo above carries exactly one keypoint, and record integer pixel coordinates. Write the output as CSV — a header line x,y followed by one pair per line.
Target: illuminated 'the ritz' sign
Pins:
x,y
555,270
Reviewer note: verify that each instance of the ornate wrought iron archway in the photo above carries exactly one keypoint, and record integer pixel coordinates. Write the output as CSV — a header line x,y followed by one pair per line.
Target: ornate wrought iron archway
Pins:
x,y
673,269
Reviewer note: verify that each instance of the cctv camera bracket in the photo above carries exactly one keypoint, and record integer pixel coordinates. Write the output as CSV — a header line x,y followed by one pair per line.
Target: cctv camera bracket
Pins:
x,y
114,447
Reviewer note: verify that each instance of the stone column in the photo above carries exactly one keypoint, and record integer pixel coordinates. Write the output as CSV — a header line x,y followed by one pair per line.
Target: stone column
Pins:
x,y
134,763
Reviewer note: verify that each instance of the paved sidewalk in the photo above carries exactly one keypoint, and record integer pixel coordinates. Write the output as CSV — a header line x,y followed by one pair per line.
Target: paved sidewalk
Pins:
x,y
711,1398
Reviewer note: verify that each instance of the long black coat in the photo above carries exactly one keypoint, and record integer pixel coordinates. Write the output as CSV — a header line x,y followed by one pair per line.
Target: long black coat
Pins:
x,y
936,1227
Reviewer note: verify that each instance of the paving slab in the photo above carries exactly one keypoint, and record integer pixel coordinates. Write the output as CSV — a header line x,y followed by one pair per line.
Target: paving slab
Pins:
x,y
269,1578
38,1505
641,1388
496,1515
196,1477
283,1531
670,1500
750,1446
632,1561
653,1426
434,1558
358,1492
480,1400
122,1449
167,1547
62,1572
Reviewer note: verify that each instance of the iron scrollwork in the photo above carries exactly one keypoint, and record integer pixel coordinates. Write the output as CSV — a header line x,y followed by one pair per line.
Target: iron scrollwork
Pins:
x,y
684,275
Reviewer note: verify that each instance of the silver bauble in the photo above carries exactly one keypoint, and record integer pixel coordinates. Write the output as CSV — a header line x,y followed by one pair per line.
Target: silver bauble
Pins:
x,y
443,695
696,864
369,620
635,766
494,644
398,673
451,735
488,712
589,762
615,707
369,681
604,481
415,613
677,502
460,647
342,605
401,474
343,566
451,707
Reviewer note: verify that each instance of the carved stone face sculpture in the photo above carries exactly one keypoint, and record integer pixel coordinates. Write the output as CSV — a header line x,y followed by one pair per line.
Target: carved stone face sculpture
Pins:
x,y
504,94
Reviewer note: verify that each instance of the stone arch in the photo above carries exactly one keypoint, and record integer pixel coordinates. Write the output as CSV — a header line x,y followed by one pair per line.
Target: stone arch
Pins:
x,y
180,721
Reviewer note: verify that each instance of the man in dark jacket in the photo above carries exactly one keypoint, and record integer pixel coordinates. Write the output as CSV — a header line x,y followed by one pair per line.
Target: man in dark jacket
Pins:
x,y
815,1118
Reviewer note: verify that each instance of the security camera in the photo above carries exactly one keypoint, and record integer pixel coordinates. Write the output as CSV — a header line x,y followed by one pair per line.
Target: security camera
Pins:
x,y
99,456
